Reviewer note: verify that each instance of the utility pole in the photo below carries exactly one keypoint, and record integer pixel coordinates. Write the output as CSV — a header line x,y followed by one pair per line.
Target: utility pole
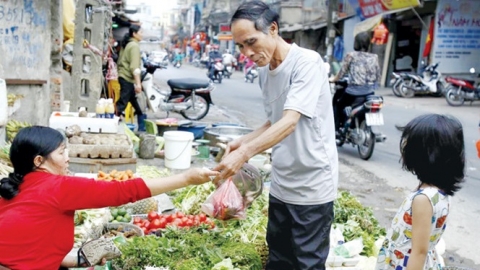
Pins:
x,y
332,8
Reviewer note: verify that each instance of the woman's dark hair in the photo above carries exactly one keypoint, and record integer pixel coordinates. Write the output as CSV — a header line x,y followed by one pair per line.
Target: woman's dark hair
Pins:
x,y
432,148
257,12
29,143
134,28
362,42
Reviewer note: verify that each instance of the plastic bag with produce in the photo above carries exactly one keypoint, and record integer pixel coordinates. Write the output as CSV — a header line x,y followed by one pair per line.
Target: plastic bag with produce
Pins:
x,y
225,202
249,182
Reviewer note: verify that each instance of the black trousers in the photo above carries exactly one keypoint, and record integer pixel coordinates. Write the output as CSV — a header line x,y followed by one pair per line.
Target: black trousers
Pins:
x,y
298,236
344,101
127,94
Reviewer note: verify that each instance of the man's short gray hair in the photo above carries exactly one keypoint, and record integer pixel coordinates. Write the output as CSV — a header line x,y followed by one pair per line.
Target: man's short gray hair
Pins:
x,y
257,12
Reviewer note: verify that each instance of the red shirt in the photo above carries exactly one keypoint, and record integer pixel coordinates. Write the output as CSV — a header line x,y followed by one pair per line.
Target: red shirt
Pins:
x,y
37,226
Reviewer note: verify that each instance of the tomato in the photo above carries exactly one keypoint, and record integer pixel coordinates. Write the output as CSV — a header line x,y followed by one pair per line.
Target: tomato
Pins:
x,y
145,230
152,215
177,222
180,215
155,224
137,220
169,218
184,220
189,223
146,223
190,216
202,217
163,223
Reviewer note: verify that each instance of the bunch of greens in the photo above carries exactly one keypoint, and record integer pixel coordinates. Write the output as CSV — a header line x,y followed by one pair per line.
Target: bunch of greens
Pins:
x,y
187,249
356,220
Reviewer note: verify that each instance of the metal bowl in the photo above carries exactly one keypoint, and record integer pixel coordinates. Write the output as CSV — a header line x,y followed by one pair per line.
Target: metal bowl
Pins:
x,y
227,132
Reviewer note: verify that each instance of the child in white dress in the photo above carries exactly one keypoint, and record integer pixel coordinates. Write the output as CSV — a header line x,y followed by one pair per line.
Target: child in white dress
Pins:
x,y
432,147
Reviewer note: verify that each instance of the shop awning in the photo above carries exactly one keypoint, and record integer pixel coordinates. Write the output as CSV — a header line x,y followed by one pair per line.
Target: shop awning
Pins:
x,y
373,8
291,28
370,23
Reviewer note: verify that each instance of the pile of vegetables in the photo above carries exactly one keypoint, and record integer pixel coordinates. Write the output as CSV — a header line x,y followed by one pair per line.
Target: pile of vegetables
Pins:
x,y
232,244
155,221
356,220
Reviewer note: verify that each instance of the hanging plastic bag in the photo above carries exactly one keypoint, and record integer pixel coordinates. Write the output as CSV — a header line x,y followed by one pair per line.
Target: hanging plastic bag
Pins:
x,y
249,183
225,202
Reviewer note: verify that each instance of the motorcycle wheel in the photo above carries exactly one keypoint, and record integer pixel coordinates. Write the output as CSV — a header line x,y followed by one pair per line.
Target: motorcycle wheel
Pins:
x,y
440,90
453,97
405,91
366,150
201,109
396,89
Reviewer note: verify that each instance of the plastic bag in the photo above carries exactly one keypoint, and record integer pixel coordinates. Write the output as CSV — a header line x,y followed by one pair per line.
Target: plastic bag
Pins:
x,y
225,202
249,183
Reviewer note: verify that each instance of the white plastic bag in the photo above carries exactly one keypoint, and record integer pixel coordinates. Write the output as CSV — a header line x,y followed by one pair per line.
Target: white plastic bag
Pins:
x,y
349,249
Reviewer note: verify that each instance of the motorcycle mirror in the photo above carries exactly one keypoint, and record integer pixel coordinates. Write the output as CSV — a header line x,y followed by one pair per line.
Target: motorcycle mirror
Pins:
x,y
472,70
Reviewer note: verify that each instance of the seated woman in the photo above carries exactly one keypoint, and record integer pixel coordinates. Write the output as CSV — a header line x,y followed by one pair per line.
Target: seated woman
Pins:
x,y
363,72
40,198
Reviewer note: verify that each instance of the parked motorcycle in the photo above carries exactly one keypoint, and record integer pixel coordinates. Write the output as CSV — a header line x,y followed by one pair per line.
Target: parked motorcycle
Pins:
x,y
189,97
396,81
360,119
218,70
461,90
431,82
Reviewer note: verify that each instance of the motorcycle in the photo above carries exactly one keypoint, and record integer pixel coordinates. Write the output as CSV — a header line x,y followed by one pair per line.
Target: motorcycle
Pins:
x,y
360,119
189,97
252,73
396,81
227,71
218,70
430,82
461,90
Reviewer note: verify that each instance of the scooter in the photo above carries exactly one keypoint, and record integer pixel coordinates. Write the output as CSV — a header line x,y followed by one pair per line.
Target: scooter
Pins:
x,y
218,70
461,90
227,71
189,97
360,119
252,73
431,82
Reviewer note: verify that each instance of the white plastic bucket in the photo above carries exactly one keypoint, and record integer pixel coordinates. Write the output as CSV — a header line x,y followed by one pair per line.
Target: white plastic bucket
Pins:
x,y
178,149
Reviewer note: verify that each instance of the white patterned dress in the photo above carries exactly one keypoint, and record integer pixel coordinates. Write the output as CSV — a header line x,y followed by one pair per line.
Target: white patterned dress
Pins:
x,y
396,249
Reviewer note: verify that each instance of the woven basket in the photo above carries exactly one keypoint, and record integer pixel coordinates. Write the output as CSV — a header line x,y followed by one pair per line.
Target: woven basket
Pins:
x,y
126,227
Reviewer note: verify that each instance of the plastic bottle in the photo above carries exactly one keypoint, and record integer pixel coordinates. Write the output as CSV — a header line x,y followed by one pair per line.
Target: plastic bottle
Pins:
x,y
100,109
109,109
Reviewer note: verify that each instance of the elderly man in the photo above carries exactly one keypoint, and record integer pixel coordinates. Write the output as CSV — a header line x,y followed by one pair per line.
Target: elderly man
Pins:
x,y
300,128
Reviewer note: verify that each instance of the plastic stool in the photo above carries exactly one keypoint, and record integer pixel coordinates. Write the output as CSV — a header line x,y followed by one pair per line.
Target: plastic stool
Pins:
x,y
151,127
129,113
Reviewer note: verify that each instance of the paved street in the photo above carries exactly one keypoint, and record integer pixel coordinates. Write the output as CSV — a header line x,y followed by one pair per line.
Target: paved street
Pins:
x,y
379,182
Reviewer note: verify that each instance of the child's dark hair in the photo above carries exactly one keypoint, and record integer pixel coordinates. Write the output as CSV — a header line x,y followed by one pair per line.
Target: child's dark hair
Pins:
x,y
432,147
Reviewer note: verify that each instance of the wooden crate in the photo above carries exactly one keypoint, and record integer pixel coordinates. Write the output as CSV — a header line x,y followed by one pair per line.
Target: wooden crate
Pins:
x,y
89,165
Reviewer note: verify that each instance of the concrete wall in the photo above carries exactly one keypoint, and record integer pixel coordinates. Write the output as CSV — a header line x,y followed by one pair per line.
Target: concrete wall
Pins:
x,y
25,48
290,15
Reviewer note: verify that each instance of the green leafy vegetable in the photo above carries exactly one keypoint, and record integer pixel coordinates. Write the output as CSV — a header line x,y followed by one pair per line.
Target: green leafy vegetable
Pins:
x,y
356,220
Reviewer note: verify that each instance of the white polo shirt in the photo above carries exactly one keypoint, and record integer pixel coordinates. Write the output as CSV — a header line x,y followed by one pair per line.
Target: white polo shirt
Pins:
x,y
304,164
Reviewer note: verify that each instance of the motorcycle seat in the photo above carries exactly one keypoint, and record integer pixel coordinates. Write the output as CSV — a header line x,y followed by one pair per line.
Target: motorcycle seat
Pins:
x,y
187,83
